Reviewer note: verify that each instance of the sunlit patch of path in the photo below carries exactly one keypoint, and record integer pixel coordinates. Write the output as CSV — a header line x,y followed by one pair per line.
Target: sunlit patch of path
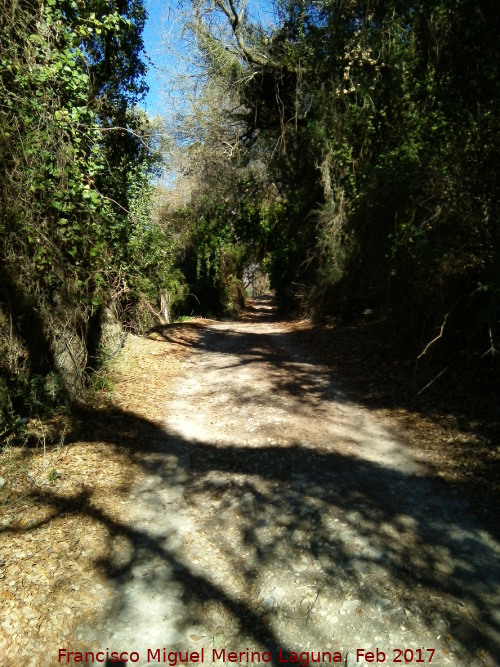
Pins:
x,y
277,513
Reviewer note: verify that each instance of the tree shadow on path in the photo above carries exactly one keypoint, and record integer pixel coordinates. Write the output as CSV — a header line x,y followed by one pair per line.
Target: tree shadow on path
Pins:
x,y
381,547
403,543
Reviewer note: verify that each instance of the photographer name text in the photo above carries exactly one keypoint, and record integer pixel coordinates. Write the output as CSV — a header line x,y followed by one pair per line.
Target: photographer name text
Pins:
x,y
164,656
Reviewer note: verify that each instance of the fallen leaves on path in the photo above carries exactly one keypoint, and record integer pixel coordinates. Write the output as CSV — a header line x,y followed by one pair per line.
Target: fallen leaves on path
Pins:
x,y
56,500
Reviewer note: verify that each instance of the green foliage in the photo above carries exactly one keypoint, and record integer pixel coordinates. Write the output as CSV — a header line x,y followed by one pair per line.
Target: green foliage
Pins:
x,y
150,259
379,123
225,232
74,213
213,261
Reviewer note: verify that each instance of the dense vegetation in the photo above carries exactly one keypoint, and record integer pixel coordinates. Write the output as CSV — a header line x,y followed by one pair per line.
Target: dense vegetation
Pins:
x,y
77,248
347,148
361,138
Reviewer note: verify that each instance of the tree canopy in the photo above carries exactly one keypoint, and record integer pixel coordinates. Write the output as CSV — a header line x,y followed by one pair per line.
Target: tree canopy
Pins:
x,y
347,149
375,125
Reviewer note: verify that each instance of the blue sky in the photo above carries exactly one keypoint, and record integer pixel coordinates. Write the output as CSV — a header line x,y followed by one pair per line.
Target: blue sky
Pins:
x,y
161,63
161,42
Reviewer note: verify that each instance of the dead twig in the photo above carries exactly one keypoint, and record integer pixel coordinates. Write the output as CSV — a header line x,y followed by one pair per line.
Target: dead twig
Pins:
x,y
434,379
153,312
492,349
441,331
308,613
440,335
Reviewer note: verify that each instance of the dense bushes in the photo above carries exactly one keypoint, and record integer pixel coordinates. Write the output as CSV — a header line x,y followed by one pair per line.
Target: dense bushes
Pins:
x,y
76,237
378,123
350,150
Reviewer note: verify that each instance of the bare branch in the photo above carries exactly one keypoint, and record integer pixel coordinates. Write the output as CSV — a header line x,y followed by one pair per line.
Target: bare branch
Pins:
x,y
440,335
236,21
434,379
492,349
141,137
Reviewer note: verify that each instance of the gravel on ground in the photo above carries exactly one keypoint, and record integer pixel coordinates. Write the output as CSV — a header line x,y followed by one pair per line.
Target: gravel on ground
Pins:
x,y
231,496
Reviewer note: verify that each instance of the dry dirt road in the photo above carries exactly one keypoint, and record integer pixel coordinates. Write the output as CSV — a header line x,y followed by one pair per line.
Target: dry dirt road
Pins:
x,y
266,512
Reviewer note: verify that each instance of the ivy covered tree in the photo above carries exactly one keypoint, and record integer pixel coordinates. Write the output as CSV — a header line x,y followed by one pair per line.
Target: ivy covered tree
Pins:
x,y
74,150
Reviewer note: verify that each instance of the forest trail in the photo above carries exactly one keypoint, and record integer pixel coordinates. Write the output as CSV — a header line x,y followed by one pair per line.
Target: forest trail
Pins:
x,y
278,514
257,508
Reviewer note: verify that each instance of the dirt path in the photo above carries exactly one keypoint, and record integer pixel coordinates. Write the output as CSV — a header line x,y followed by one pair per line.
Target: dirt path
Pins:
x,y
267,512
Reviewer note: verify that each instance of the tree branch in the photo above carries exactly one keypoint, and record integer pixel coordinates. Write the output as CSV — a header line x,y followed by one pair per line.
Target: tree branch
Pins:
x,y
236,21
440,335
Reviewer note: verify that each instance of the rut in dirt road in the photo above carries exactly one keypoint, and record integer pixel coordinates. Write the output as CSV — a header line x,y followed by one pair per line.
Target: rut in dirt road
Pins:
x,y
278,516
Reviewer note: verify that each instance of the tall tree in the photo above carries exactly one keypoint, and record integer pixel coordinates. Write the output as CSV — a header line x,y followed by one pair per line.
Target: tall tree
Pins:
x,y
71,74
379,124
